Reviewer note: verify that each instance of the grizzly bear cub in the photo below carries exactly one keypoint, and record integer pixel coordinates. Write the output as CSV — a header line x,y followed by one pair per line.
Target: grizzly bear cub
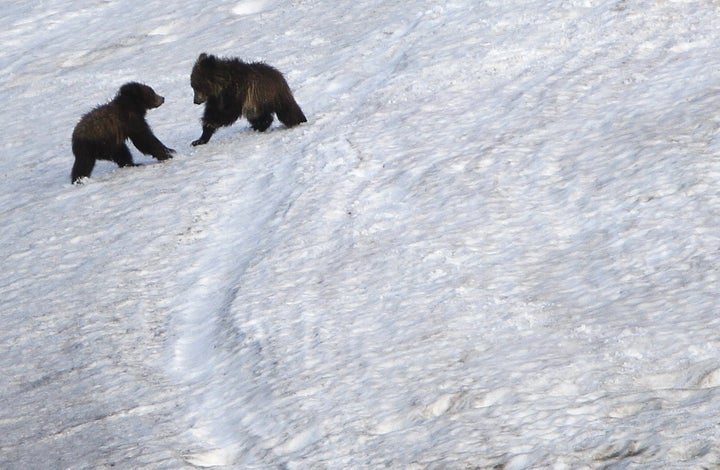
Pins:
x,y
231,88
101,133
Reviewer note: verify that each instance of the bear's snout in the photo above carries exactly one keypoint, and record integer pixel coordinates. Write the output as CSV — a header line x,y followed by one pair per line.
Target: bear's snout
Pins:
x,y
159,100
199,98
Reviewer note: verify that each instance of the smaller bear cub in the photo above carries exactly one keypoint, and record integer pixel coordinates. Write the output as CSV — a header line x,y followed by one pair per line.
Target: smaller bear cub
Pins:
x,y
231,88
101,133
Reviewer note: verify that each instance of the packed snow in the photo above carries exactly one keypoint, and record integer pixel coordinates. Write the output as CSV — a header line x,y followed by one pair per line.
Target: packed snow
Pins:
x,y
494,244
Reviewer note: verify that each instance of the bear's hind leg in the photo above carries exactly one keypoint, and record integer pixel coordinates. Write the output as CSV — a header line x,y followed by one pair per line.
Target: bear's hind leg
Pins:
x,y
123,157
261,122
290,114
81,169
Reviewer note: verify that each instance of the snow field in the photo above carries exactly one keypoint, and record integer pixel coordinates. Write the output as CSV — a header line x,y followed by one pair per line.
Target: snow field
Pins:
x,y
494,243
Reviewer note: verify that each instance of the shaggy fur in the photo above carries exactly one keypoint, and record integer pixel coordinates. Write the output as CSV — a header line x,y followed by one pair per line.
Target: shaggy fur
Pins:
x,y
101,133
231,88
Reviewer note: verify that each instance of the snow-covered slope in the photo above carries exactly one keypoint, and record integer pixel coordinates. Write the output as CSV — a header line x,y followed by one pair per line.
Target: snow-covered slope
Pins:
x,y
493,245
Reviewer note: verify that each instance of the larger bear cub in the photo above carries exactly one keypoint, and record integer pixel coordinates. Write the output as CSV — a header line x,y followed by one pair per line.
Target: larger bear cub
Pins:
x,y
101,133
231,88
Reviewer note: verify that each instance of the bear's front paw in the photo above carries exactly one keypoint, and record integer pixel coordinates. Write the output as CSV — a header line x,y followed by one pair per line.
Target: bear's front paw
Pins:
x,y
166,155
199,141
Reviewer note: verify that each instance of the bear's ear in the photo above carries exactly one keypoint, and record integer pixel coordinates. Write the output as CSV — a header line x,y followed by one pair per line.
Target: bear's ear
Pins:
x,y
129,89
207,60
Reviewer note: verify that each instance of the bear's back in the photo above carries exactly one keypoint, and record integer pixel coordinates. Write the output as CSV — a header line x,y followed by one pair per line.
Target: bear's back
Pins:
x,y
104,123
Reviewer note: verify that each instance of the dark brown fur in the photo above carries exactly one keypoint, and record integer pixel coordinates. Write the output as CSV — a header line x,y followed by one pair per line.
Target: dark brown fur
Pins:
x,y
231,88
101,133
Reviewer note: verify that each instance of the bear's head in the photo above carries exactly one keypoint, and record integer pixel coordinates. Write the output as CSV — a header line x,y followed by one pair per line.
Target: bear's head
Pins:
x,y
206,78
140,95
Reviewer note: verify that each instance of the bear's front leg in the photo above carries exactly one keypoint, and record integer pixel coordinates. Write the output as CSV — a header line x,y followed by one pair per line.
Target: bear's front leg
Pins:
x,y
142,137
262,122
166,154
207,132
123,157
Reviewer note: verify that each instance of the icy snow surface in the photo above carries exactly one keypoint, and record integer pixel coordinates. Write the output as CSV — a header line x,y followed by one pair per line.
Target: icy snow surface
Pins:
x,y
495,243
